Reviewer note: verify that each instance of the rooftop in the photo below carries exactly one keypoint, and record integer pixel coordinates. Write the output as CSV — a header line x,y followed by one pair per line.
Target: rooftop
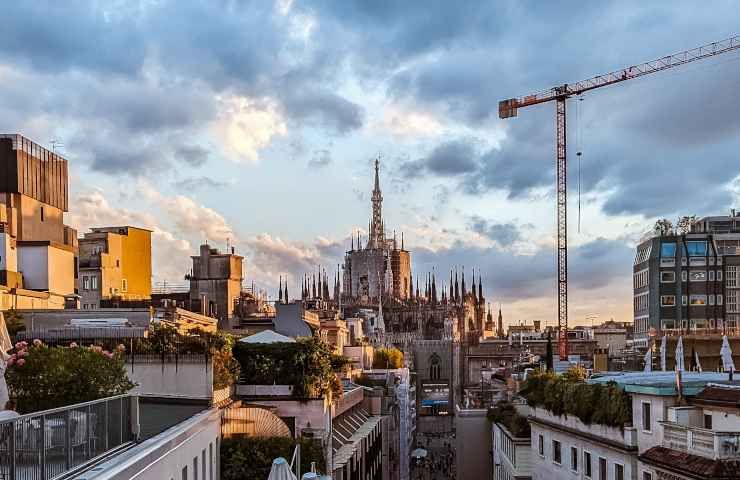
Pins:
x,y
662,383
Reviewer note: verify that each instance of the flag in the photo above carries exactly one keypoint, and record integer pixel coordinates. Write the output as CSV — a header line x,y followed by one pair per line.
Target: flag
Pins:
x,y
648,361
725,353
662,353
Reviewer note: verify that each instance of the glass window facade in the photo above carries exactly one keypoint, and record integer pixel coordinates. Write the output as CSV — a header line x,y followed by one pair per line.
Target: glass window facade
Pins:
x,y
696,248
668,250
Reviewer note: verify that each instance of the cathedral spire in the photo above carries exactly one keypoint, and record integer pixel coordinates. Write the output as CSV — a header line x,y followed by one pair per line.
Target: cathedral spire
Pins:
x,y
457,287
376,226
475,297
286,290
480,288
462,285
280,291
500,323
434,287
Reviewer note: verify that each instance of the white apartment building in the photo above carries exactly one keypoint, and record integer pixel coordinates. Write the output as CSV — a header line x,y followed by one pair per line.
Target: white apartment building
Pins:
x,y
512,455
563,447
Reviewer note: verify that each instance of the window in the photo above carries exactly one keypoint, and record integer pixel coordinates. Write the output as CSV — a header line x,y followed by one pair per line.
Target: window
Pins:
x,y
732,276
124,285
86,283
646,420
719,275
195,468
708,421
210,461
203,463
574,459
587,464
647,476
185,473
541,446
684,300
698,276
118,263
683,276
84,306
94,283
711,299
719,299
697,300
602,468
42,214
668,250
667,300
711,275
618,472
697,249
434,367
556,453
667,277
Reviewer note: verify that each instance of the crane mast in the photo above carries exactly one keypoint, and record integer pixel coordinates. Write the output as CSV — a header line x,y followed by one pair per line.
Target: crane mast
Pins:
x,y
559,94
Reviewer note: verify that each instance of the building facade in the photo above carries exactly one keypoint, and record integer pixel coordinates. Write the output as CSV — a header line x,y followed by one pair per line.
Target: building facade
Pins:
x,y
216,283
115,267
688,282
37,250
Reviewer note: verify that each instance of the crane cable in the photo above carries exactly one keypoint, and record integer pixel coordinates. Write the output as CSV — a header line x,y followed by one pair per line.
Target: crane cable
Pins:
x,y
579,153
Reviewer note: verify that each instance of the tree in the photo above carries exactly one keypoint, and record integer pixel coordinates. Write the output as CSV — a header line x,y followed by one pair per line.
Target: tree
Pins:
x,y
684,224
14,322
41,377
388,358
663,227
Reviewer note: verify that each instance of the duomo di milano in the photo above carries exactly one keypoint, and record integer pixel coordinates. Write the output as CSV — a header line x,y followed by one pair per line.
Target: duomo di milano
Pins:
x,y
378,274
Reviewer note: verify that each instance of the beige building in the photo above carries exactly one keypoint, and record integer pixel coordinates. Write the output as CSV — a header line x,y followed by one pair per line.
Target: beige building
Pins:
x,y
115,267
37,250
215,283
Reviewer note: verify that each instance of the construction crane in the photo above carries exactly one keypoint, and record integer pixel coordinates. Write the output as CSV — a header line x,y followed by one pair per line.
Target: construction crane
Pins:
x,y
508,108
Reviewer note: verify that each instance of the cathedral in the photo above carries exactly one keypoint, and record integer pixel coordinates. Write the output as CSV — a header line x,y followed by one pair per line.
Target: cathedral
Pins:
x,y
377,275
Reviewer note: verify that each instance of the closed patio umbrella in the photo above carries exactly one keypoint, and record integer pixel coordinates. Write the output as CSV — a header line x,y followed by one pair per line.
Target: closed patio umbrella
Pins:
x,y
280,470
728,365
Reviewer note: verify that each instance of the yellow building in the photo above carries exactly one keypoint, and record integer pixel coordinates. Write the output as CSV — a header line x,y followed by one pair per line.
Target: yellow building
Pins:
x,y
115,267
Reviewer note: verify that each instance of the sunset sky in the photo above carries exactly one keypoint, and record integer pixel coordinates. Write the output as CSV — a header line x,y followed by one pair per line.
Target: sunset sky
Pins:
x,y
256,123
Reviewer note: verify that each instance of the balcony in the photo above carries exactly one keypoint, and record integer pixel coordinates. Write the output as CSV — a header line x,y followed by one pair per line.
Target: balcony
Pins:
x,y
702,442
54,443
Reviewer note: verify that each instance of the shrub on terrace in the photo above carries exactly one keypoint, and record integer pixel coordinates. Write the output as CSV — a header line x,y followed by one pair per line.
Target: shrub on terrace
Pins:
x,y
40,377
251,457
305,364
506,414
388,358
569,394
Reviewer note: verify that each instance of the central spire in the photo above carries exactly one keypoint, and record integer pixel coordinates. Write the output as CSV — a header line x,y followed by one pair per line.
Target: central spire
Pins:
x,y
377,235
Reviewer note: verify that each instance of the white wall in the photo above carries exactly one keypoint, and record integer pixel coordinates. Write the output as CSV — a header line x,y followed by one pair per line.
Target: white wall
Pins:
x,y
647,439
33,261
164,456
544,468
8,255
191,380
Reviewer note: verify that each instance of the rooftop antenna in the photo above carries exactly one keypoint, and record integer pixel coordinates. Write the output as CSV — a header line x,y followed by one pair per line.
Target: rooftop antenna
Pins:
x,y
56,144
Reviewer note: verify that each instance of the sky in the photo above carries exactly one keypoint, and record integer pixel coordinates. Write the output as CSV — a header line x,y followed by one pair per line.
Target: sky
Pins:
x,y
255,124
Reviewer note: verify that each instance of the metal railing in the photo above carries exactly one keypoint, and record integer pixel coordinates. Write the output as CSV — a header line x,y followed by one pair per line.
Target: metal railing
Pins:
x,y
52,443
702,442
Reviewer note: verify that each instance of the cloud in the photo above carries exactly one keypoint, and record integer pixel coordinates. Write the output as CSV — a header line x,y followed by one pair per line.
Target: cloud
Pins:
x,y
321,158
170,254
504,234
326,109
193,155
197,183
448,159
247,125
406,123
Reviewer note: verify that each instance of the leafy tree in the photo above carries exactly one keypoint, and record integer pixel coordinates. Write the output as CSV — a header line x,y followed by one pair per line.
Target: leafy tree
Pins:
x,y
251,457
684,224
14,322
388,358
506,414
663,227
41,377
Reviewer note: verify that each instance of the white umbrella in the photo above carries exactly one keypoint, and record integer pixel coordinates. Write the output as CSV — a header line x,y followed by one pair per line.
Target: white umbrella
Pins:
x,y
679,355
662,353
648,361
696,359
419,453
726,354
280,470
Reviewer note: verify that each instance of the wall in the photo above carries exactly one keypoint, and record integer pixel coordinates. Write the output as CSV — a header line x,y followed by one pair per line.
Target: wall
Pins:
x,y
473,452
8,253
647,439
544,468
33,262
190,380
61,271
136,263
169,454
31,228
28,299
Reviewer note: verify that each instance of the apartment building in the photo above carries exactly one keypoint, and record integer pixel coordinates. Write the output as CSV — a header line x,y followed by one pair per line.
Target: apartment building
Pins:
x,y
563,447
512,454
215,283
115,267
37,250
688,282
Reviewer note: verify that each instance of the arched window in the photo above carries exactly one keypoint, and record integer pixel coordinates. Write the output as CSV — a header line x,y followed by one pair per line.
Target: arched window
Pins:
x,y
434,367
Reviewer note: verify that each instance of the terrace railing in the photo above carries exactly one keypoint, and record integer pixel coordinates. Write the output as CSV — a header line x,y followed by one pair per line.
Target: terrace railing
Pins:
x,y
54,443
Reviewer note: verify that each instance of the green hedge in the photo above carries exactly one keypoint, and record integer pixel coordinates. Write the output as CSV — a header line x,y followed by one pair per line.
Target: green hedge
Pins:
x,y
506,414
305,364
569,394
251,457
388,358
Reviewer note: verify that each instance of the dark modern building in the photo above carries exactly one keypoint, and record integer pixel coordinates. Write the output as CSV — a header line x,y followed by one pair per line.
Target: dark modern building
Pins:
x,y
687,282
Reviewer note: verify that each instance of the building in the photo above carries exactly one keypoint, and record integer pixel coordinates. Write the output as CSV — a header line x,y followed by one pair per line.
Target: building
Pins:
x,y
115,267
512,454
379,268
564,447
688,281
37,250
216,284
